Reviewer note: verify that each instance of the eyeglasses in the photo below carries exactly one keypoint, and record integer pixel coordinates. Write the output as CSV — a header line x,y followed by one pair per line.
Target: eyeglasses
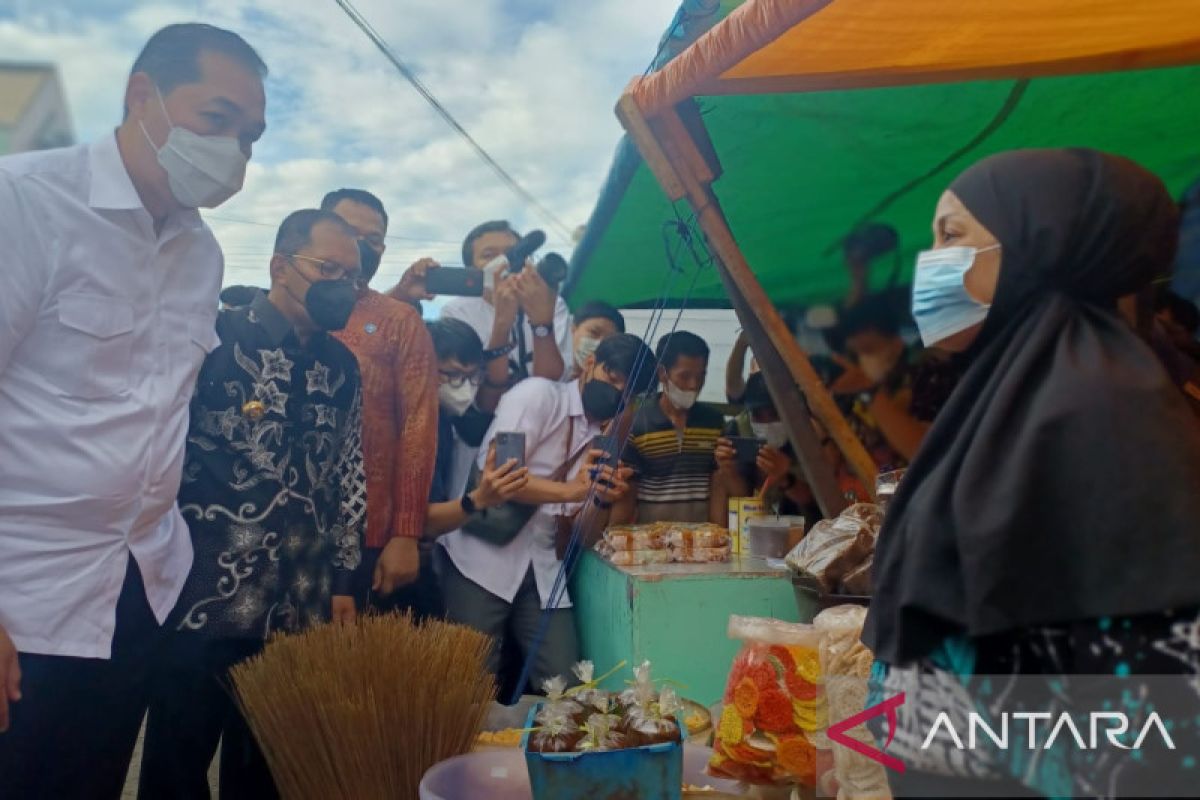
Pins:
x,y
457,379
330,270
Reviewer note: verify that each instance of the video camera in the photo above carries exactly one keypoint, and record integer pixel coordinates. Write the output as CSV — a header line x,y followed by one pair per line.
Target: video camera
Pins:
x,y
469,281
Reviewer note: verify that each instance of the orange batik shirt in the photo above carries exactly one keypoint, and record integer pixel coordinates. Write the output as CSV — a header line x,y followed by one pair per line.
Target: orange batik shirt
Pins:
x,y
399,380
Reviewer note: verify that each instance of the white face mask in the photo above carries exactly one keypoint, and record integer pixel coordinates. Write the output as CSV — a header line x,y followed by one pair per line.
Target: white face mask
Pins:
x,y
492,270
679,398
203,171
587,347
455,400
773,433
877,367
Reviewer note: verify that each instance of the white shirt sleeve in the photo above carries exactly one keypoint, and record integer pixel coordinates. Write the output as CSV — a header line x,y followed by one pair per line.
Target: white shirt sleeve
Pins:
x,y
22,280
566,339
526,408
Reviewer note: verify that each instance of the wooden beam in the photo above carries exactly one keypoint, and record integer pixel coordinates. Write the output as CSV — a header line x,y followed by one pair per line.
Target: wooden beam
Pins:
x,y
639,130
758,312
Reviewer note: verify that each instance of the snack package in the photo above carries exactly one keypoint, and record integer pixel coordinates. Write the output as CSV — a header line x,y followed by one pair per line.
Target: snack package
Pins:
x,y
858,580
557,702
770,728
556,732
636,537
637,558
586,693
650,716
834,548
846,665
698,536
701,555
601,733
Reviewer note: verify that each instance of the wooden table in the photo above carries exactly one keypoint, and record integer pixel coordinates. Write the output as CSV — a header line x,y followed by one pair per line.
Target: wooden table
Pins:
x,y
676,616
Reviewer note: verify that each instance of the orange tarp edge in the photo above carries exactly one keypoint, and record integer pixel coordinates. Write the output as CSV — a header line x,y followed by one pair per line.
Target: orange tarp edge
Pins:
x,y
790,45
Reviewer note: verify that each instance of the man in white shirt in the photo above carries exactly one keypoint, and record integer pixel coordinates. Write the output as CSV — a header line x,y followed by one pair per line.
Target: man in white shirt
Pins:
x,y
108,296
503,589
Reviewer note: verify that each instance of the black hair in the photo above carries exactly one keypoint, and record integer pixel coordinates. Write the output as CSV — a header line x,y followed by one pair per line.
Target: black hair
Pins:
x,y
360,196
453,338
872,314
238,296
493,226
296,231
598,309
621,354
172,56
1182,310
871,240
680,344
757,395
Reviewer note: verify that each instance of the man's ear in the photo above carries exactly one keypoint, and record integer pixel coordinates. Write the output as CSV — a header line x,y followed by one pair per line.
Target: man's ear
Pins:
x,y
662,373
138,92
279,266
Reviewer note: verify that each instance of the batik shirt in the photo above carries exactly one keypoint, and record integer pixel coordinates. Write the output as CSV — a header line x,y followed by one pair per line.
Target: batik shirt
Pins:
x,y
274,490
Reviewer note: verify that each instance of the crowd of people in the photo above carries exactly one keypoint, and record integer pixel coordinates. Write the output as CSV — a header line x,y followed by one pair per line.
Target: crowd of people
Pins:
x,y
178,483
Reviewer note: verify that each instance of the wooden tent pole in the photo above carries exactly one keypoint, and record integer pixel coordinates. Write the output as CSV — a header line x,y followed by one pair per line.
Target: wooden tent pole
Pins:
x,y
670,156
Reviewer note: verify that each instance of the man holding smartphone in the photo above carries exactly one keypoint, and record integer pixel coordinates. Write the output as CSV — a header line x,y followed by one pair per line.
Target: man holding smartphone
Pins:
x,y
502,589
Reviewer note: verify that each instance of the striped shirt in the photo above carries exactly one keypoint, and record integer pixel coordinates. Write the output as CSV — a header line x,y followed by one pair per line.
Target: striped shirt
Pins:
x,y
674,468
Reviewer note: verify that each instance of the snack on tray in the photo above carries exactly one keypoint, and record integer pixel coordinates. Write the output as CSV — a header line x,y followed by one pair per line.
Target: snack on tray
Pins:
x,y
858,580
835,548
509,737
769,731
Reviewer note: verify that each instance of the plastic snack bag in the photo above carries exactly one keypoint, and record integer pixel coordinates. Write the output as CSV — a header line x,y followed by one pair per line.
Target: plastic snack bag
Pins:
x,y
846,664
774,707
835,548
556,732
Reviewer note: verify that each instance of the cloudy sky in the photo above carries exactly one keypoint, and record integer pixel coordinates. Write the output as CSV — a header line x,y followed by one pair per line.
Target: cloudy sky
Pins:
x,y
534,81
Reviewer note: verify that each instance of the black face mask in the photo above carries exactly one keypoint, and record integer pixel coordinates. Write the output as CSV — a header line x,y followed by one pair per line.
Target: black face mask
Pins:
x,y
369,260
600,400
329,303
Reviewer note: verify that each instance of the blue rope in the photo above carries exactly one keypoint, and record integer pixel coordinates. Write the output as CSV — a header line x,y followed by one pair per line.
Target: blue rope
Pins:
x,y
685,232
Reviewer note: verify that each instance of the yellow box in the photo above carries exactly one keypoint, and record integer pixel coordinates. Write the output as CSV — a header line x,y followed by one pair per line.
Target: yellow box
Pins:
x,y
741,511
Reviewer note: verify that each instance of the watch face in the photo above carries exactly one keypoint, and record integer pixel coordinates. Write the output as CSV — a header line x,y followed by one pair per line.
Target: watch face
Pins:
x,y
541,331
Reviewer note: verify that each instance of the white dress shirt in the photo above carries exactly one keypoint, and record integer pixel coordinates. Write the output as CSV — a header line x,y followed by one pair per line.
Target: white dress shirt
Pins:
x,y
103,326
481,315
543,411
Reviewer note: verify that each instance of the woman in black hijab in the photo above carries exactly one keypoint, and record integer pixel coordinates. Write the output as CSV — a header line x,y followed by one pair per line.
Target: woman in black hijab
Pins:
x,y
1050,523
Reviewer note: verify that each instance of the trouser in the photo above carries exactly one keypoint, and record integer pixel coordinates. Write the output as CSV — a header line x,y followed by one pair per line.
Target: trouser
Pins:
x,y
469,604
74,729
191,710
423,597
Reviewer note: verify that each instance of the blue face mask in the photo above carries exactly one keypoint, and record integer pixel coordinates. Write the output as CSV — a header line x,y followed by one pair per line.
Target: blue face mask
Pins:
x,y
940,303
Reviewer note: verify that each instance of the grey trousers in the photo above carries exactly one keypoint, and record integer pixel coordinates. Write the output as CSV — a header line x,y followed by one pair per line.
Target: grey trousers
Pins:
x,y
469,604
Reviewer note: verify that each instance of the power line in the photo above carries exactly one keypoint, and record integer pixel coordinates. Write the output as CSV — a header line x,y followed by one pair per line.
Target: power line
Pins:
x,y
445,114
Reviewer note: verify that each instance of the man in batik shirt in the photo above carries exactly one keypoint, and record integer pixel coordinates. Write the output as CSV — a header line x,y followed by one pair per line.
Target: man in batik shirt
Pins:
x,y
274,495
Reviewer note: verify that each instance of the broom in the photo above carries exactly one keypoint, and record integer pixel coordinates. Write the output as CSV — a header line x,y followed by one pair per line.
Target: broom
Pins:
x,y
359,712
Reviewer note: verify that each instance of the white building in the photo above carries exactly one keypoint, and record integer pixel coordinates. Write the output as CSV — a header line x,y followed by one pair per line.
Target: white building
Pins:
x,y
33,110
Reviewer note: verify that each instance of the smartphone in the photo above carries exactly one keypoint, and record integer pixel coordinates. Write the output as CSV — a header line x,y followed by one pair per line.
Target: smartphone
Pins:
x,y
747,448
455,281
606,443
510,445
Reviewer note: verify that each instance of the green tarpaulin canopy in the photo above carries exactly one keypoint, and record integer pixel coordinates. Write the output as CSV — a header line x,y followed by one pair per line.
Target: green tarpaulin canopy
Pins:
x,y
801,170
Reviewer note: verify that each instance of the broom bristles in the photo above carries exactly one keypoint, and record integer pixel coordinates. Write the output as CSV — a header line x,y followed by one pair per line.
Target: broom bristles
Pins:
x,y
363,711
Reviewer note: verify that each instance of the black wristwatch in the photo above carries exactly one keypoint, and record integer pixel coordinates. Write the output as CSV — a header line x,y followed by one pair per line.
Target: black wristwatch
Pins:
x,y
543,331
468,505
498,352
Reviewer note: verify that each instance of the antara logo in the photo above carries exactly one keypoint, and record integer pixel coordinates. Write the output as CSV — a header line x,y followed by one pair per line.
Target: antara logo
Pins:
x,y
837,732
1119,727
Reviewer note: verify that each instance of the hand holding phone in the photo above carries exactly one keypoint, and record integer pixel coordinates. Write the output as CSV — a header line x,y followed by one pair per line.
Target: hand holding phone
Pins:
x,y
747,448
510,446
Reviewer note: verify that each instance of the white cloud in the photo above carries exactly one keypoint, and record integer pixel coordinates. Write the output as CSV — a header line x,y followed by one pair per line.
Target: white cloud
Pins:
x,y
534,81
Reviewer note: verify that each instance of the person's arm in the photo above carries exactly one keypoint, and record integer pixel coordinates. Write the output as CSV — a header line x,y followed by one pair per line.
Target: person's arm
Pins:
x,y
351,471
903,431
414,376
22,284
10,677
735,382
495,373
540,304
411,288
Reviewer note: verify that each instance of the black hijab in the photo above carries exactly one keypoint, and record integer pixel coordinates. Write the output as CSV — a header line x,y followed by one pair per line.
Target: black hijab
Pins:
x,y
1061,481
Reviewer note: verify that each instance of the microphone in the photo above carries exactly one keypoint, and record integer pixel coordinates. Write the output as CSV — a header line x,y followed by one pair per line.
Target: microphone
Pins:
x,y
523,249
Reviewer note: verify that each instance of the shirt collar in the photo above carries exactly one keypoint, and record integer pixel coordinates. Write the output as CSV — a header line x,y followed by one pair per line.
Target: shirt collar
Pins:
x,y
574,398
112,188
270,318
